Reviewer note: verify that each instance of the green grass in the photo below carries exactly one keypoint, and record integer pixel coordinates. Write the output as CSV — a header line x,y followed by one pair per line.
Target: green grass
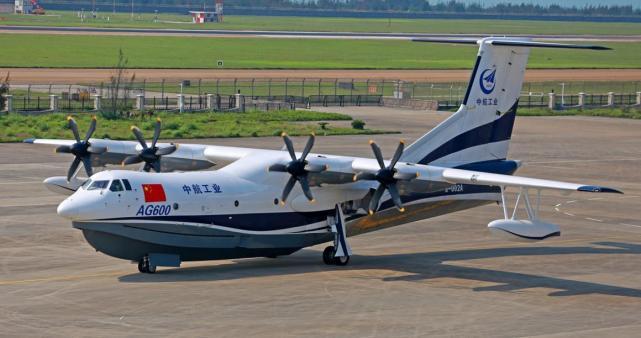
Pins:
x,y
628,113
26,50
16,127
67,18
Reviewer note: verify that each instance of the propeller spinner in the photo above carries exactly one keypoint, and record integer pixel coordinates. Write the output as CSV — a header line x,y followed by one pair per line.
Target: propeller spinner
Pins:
x,y
82,149
298,168
150,155
387,177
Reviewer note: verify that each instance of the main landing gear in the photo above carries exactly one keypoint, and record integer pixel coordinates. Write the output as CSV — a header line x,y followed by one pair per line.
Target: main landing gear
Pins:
x,y
329,257
144,266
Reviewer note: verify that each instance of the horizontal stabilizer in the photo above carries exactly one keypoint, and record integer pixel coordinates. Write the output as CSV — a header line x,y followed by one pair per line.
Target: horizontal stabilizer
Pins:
x,y
514,42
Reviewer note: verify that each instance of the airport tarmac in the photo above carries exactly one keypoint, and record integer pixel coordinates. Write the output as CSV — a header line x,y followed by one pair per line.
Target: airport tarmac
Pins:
x,y
440,277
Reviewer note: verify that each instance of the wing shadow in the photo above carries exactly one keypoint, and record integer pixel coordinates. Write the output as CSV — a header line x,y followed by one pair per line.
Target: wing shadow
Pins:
x,y
419,266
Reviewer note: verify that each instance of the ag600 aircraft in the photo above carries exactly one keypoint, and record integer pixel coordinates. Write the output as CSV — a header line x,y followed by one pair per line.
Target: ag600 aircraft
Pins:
x,y
269,203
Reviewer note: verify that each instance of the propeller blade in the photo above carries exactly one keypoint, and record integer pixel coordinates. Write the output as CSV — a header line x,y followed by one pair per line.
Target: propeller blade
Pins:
x,y
306,190
63,149
139,137
308,146
377,154
373,203
74,128
73,168
156,165
315,168
290,146
396,197
277,167
288,189
157,130
92,128
131,160
166,150
97,149
146,167
86,162
397,154
364,176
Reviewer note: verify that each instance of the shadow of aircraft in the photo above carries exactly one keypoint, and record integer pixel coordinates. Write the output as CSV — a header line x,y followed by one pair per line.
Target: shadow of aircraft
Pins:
x,y
418,266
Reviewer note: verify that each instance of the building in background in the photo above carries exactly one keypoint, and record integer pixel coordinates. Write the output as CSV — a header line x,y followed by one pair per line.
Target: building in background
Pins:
x,y
23,7
205,16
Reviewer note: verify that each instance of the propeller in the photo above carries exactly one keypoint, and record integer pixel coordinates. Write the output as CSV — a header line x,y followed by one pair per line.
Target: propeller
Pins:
x,y
82,149
387,177
151,156
298,168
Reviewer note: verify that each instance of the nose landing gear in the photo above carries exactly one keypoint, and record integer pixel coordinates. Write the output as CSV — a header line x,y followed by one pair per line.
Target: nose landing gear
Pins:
x,y
329,257
144,266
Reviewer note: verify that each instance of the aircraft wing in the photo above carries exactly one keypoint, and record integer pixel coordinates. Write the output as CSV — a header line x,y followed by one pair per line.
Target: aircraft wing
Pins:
x,y
481,178
426,173
186,157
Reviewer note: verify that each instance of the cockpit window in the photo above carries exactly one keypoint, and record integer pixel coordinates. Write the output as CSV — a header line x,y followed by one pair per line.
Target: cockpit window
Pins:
x,y
86,184
116,185
98,185
127,185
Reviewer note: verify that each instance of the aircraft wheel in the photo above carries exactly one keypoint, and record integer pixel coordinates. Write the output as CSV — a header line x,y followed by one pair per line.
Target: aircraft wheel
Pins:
x,y
142,266
151,268
328,255
341,261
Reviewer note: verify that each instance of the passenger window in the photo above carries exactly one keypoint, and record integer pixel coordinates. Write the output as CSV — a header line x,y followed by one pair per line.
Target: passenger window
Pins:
x,y
127,185
96,185
116,186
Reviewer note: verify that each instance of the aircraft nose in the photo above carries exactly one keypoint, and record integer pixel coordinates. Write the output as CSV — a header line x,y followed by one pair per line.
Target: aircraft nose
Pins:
x,y
67,209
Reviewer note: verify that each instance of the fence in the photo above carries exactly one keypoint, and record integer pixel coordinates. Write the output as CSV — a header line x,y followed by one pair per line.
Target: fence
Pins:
x,y
269,94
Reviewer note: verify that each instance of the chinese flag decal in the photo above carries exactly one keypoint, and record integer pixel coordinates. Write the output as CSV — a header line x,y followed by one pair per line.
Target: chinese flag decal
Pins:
x,y
154,193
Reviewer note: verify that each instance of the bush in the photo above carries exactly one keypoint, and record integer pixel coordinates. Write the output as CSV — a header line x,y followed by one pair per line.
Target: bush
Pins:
x,y
358,124
172,126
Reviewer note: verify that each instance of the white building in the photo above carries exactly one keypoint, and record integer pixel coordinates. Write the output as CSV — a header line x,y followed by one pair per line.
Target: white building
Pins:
x,y
23,7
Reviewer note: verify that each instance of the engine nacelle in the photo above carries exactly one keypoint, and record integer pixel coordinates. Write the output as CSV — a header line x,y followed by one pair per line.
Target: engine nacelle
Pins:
x,y
59,184
523,230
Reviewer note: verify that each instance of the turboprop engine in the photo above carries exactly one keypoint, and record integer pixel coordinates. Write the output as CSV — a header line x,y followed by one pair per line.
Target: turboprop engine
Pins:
x,y
523,230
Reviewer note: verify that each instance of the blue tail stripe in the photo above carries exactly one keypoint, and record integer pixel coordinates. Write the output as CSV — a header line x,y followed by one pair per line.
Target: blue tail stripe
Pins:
x,y
495,131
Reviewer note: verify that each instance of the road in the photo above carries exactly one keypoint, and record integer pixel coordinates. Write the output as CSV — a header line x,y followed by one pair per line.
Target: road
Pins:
x,y
293,34
441,277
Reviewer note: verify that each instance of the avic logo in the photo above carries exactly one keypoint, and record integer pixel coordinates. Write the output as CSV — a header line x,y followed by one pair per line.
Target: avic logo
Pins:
x,y
486,80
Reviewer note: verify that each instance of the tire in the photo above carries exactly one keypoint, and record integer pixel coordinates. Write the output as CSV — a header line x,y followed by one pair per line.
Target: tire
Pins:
x,y
142,267
328,255
151,269
341,261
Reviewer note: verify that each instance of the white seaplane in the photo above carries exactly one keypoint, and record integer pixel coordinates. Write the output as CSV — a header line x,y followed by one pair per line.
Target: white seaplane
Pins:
x,y
182,212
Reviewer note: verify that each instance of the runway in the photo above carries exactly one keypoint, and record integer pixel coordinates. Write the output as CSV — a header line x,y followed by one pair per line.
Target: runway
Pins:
x,y
441,277
295,34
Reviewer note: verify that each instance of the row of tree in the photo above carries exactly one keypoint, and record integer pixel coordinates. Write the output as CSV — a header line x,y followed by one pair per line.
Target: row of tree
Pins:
x,y
412,6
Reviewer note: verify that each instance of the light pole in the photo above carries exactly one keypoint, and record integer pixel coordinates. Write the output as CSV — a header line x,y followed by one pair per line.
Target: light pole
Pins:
x,y
132,9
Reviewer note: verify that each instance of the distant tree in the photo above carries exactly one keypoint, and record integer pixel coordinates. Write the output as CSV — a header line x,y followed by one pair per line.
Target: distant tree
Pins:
x,y
119,84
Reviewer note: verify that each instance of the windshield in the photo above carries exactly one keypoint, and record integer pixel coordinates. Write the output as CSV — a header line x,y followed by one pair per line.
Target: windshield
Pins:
x,y
98,185
86,184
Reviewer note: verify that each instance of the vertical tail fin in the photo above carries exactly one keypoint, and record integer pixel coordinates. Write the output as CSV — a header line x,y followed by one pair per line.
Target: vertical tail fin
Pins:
x,y
481,129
